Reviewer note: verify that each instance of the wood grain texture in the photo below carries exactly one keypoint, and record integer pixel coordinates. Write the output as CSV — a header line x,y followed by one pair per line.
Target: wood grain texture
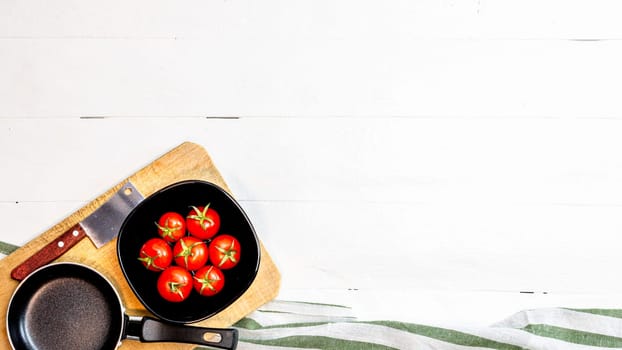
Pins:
x,y
188,161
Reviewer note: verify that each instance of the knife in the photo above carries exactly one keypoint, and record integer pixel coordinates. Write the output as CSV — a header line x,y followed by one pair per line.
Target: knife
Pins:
x,y
101,227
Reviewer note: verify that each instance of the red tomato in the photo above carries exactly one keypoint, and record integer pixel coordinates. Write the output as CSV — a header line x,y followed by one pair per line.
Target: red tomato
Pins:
x,y
203,222
224,251
155,254
175,284
190,253
171,226
209,280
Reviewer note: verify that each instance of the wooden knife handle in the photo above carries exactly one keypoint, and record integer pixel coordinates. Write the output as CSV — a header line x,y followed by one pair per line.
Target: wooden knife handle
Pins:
x,y
50,252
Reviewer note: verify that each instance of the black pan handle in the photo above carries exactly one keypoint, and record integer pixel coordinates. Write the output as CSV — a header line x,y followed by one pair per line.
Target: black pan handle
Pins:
x,y
151,330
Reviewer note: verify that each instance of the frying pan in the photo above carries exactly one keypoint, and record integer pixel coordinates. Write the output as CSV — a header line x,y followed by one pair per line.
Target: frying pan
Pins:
x,y
72,306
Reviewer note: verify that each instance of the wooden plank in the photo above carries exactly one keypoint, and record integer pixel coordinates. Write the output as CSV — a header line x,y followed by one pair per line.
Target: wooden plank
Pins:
x,y
369,77
277,19
469,161
188,161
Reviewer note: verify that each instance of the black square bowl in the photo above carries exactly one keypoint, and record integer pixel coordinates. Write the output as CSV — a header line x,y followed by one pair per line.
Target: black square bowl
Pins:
x,y
140,226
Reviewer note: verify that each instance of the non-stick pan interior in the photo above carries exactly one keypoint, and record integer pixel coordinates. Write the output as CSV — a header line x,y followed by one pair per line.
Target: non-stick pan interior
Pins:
x,y
65,306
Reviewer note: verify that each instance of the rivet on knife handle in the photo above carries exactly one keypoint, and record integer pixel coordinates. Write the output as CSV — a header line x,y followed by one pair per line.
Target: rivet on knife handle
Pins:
x,y
49,252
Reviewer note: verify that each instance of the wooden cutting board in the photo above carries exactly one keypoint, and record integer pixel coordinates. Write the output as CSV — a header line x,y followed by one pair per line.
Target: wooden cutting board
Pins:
x,y
185,162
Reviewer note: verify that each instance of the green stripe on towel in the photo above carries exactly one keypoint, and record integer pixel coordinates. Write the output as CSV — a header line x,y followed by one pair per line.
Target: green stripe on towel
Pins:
x,y
574,336
318,342
601,312
7,248
447,335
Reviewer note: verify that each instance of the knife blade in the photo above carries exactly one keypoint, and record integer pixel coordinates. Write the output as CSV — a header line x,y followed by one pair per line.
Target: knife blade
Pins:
x,y
101,226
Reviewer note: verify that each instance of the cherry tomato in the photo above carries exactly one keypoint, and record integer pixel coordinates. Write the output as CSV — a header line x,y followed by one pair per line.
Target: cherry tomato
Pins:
x,y
224,251
209,280
190,253
175,284
171,226
203,222
156,254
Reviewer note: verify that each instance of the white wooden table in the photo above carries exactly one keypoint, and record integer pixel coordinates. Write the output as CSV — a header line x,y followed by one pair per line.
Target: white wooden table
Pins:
x,y
439,162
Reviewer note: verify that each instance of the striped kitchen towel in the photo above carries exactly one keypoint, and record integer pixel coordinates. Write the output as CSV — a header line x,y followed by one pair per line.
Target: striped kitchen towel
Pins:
x,y
299,325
